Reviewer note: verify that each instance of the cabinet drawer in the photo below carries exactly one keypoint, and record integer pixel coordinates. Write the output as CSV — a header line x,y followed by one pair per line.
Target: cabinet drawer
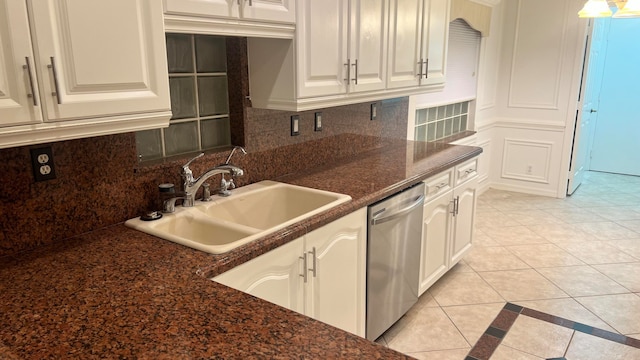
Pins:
x,y
439,184
466,171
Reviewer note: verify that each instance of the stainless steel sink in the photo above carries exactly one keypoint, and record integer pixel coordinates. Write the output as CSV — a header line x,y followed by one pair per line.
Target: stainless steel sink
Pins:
x,y
251,212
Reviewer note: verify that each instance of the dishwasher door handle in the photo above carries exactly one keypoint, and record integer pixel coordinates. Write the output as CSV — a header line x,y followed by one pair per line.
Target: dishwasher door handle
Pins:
x,y
398,213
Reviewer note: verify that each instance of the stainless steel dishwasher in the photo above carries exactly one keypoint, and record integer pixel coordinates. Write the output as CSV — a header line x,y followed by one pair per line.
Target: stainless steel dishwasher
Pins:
x,y
393,258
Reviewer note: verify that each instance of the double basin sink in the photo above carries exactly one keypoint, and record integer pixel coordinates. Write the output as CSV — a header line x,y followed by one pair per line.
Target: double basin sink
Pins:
x,y
251,212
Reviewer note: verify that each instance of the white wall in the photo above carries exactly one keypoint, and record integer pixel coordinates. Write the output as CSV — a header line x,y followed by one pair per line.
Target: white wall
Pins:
x,y
528,94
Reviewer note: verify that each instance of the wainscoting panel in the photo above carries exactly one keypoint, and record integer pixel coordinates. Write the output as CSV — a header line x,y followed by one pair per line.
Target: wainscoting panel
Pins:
x,y
527,160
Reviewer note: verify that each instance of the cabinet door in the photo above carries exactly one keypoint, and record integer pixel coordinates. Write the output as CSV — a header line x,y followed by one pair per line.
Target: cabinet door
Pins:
x,y
214,8
434,258
336,292
321,38
435,40
463,220
269,10
100,58
405,37
274,276
19,103
368,44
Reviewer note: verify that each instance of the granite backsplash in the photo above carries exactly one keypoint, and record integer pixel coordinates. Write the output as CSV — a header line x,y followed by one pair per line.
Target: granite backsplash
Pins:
x,y
99,181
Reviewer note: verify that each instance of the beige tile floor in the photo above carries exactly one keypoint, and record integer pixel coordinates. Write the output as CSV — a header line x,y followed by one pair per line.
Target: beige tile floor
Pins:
x,y
576,258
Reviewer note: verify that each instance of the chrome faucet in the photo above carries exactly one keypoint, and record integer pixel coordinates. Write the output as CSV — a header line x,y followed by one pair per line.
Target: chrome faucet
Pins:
x,y
191,185
225,184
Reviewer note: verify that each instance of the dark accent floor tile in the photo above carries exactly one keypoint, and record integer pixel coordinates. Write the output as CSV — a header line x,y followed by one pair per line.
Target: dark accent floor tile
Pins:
x,y
504,320
621,339
633,342
513,307
583,328
485,347
548,318
496,332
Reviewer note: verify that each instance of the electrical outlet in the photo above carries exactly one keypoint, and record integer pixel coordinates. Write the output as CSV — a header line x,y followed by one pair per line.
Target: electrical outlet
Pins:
x,y
318,122
295,125
42,163
374,111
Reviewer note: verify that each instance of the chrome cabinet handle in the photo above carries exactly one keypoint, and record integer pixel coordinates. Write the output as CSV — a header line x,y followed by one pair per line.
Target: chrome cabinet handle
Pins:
x,y
33,93
52,66
456,203
355,79
426,69
440,186
420,67
593,110
348,65
304,266
313,254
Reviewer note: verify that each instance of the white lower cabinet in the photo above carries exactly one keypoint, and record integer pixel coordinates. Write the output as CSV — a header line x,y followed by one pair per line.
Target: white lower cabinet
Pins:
x,y
448,218
321,274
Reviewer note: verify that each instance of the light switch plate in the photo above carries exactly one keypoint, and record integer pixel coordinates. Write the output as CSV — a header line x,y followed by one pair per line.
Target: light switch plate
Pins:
x,y
318,122
295,125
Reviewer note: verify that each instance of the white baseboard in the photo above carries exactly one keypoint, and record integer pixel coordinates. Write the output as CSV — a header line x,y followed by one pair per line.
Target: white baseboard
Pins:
x,y
519,189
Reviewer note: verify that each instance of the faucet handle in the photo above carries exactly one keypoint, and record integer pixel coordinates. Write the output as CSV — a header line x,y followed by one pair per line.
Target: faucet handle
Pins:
x,y
186,171
186,166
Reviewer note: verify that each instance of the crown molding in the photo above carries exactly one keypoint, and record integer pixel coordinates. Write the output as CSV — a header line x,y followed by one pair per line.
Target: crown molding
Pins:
x,y
491,3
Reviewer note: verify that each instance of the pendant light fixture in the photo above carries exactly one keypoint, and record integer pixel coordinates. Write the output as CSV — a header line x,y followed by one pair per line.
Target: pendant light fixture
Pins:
x,y
601,8
630,9
595,9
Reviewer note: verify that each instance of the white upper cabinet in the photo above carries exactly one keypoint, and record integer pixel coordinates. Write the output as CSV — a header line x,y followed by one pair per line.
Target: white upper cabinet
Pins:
x,y
259,10
269,10
100,58
434,41
405,42
99,67
341,46
418,31
19,103
223,8
338,56
368,45
351,51
322,47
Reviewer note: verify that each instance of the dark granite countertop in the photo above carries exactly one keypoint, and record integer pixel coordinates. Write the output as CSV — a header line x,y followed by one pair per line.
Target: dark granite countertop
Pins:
x,y
120,293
